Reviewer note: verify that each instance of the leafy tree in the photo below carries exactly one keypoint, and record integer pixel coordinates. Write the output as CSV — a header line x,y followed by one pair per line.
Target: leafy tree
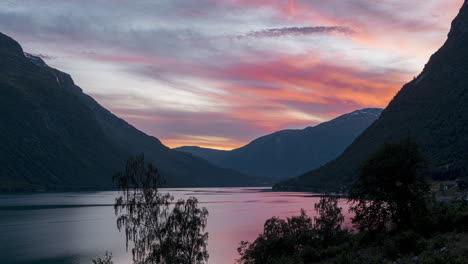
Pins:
x,y
389,188
186,240
328,224
280,240
297,239
159,234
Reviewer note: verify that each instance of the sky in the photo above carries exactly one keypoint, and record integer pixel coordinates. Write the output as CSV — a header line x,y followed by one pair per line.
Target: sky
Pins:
x,y
220,73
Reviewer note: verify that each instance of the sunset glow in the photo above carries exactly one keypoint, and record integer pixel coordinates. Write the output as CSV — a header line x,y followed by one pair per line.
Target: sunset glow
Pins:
x,y
220,73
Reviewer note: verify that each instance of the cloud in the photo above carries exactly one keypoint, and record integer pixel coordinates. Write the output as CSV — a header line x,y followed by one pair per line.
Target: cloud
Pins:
x,y
298,31
288,91
222,72
43,56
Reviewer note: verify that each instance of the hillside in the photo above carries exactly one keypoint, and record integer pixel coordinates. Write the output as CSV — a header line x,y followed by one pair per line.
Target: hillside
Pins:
x,y
289,153
53,136
431,109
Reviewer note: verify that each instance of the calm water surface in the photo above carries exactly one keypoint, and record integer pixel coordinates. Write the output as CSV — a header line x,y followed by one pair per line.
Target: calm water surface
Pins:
x,y
75,227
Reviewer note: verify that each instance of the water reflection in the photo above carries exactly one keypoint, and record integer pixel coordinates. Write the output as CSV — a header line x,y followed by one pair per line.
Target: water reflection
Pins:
x,y
75,227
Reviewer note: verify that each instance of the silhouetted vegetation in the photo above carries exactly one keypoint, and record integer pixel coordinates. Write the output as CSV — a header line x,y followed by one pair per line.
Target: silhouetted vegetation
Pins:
x,y
159,232
328,224
397,220
298,239
389,188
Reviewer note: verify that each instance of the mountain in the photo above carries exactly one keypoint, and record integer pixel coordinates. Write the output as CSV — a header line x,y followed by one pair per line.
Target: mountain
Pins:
x,y
53,136
431,109
289,153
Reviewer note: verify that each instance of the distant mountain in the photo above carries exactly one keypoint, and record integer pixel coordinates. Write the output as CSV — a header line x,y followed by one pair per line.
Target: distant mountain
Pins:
x,y
432,109
291,152
52,135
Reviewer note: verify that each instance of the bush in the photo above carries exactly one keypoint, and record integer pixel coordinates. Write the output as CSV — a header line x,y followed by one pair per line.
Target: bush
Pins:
x,y
403,243
297,238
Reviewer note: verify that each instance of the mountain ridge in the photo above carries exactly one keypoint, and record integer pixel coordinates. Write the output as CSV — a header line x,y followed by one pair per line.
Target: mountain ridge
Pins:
x,y
431,109
290,152
54,136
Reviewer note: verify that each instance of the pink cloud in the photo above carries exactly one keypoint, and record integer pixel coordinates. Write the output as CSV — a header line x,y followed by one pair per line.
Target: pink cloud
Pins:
x,y
280,74
269,95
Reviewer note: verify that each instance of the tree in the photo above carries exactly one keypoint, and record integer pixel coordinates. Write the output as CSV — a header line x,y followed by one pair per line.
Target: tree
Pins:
x,y
328,224
186,240
389,188
159,234
281,241
296,239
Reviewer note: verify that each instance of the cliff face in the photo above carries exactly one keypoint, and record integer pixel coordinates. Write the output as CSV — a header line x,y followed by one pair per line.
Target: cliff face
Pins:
x,y
55,136
431,109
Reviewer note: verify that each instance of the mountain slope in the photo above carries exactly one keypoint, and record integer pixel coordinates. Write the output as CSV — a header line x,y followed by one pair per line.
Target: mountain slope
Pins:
x,y
291,152
55,136
431,109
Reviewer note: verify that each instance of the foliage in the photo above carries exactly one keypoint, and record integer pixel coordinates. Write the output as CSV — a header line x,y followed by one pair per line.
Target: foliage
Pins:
x,y
159,234
328,224
297,239
186,241
279,238
463,183
389,188
403,243
107,259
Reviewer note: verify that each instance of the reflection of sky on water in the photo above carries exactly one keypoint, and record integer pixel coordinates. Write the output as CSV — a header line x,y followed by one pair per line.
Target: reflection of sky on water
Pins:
x,y
74,227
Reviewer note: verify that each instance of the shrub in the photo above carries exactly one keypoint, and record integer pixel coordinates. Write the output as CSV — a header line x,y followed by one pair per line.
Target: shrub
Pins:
x,y
404,243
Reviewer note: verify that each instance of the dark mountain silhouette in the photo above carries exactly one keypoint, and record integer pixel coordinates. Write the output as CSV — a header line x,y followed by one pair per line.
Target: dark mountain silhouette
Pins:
x,y
291,152
431,109
52,135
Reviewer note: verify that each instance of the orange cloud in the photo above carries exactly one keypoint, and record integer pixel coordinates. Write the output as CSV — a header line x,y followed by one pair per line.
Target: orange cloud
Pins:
x,y
218,73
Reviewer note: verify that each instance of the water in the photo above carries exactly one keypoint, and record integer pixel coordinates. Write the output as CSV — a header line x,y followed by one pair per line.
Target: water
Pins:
x,y
73,228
